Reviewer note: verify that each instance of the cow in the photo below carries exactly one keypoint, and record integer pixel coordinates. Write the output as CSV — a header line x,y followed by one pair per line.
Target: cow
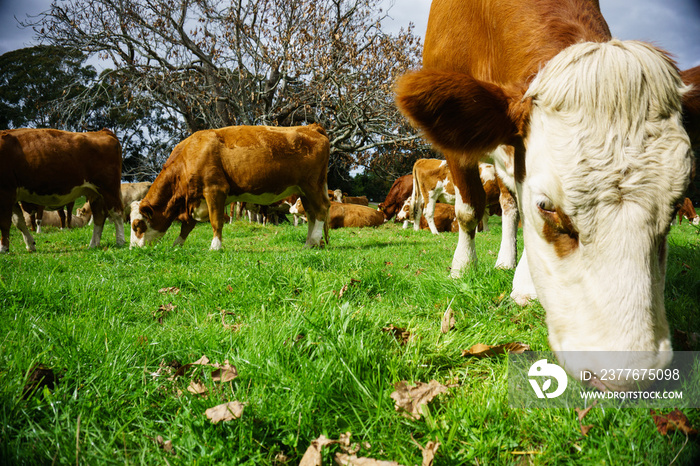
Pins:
x,y
686,210
400,191
129,192
36,212
51,168
432,182
590,130
444,219
344,215
358,200
52,218
257,164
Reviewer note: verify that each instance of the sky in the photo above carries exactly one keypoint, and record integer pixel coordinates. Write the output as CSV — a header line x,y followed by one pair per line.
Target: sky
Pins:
x,y
673,25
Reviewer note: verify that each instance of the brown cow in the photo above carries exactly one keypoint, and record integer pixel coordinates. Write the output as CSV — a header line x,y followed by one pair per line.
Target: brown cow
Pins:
x,y
258,164
51,218
344,215
358,200
686,210
444,219
52,168
590,131
398,194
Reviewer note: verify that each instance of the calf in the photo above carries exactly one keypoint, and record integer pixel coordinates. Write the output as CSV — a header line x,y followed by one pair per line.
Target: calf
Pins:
x,y
686,210
347,215
51,168
256,164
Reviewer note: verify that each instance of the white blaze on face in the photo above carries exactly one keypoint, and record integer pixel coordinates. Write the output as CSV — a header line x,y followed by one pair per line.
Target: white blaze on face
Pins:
x,y
141,231
607,158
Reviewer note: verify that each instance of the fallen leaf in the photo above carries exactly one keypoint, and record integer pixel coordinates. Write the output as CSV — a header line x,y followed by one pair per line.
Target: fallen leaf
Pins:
x,y
197,388
585,429
225,412
170,289
429,452
166,445
312,456
224,373
411,399
352,460
448,320
203,361
675,420
583,411
345,287
483,351
401,334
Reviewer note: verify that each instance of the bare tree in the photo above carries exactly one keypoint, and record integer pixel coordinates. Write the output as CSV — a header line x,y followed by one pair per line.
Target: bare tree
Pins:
x,y
227,62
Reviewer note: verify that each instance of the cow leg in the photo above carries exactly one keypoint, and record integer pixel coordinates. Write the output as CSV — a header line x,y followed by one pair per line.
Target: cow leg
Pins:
x,y
317,211
185,229
523,288
69,214
508,253
430,212
216,202
39,218
18,220
61,217
416,210
470,202
99,216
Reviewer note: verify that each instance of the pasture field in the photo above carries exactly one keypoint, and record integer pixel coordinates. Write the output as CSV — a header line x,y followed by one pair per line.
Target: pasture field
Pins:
x,y
305,330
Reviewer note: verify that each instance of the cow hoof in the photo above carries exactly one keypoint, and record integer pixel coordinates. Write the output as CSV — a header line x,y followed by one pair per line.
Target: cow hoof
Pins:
x,y
522,299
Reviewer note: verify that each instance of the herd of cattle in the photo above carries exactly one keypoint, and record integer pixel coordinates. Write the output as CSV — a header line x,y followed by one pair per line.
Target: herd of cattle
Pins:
x,y
590,139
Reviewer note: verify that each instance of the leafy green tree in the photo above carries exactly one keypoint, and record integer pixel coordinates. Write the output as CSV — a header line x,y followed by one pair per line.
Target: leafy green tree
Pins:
x,y
33,78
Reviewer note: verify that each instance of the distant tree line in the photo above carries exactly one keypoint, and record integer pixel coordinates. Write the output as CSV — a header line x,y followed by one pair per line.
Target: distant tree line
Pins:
x,y
178,66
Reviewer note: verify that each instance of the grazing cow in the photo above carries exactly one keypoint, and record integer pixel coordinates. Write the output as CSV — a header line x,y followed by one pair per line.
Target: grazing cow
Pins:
x,y
131,192
51,168
36,215
444,219
52,218
590,130
686,210
347,215
256,164
400,191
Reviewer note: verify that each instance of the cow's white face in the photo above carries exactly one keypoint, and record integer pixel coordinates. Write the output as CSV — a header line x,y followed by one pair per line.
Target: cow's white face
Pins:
x,y
603,168
141,231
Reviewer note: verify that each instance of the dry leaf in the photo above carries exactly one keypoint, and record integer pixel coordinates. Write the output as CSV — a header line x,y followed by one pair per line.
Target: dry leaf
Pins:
x,y
585,429
166,445
345,287
197,388
448,320
312,456
234,327
428,452
203,361
483,351
225,412
411,399
675,420
352,460
170,289
224,373
401,334
582,412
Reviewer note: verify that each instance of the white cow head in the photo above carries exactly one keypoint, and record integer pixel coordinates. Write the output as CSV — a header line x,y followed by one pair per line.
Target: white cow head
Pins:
x,y
142,232
601,157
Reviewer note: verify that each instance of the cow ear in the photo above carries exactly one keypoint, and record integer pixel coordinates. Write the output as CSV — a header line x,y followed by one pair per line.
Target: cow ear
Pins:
x,y
146,210
691,105
457,112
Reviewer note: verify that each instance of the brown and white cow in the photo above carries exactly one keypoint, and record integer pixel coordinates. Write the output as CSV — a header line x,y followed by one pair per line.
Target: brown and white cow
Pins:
x,y
257,164
432,183
595,147
686,210
51,218
399,193
444,219
51,168
342,215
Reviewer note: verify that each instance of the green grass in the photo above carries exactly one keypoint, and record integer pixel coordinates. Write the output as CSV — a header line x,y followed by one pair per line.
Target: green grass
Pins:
x,y
309,361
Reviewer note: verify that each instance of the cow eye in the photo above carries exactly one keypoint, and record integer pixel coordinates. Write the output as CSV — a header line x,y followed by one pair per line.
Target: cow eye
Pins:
x,y
545,205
